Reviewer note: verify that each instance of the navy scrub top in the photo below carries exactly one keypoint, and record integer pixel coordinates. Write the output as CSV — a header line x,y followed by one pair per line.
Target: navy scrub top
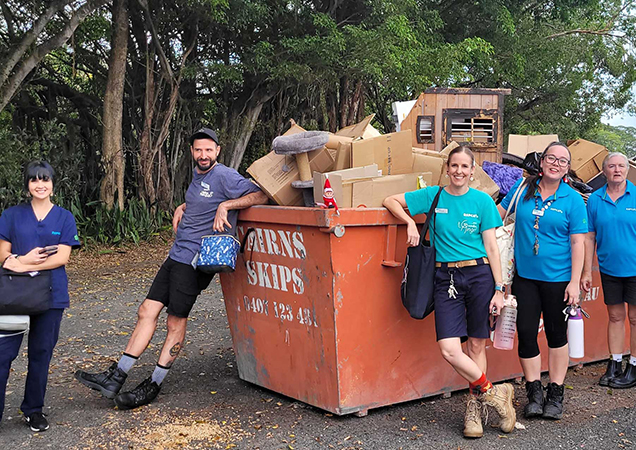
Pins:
x,y
20,227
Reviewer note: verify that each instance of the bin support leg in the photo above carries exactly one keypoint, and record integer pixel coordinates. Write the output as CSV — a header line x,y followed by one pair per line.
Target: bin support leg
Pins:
x,y
362,413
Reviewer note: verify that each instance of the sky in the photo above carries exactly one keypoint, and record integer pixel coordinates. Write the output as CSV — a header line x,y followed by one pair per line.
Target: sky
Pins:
x,y
624,120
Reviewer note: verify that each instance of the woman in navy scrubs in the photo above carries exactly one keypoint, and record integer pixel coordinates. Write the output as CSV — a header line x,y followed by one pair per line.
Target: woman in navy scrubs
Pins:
x,y
25,230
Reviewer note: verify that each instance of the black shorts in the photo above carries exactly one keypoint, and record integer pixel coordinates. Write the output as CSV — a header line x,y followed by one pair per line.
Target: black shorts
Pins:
x,y
467,314
618,290
177,286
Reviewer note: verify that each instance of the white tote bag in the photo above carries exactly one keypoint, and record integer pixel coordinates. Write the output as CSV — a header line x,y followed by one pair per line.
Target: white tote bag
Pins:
x,y
506,239
13,325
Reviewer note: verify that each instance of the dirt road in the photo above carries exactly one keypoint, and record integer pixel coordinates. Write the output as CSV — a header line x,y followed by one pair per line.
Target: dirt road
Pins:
x,y
204,404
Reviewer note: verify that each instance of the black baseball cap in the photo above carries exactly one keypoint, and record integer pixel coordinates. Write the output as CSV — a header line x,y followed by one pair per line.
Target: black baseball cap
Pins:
x,y
204,133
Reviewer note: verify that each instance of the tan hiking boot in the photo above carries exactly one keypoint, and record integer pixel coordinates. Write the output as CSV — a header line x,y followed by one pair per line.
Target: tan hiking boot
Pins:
x,y
500,397
472,419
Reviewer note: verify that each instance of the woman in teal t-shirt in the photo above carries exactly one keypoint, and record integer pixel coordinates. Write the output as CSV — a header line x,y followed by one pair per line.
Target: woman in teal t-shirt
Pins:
x,y
467,280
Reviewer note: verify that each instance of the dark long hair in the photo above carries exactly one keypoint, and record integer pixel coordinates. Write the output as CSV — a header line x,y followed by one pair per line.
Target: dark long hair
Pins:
x,y
533,181
38,170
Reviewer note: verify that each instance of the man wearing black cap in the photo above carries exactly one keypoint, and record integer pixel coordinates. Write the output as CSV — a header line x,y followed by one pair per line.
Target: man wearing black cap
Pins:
x,y
213,200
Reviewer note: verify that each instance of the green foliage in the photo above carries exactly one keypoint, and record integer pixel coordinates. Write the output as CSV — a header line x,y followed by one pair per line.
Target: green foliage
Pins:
x,y
616,139
98,225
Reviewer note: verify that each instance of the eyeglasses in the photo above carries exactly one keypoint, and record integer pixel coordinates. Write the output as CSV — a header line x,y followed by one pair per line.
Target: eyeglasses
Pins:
x,y
551,159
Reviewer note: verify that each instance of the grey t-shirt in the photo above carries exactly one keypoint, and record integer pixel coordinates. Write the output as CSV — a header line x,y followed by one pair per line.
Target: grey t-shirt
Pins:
x,y
202,199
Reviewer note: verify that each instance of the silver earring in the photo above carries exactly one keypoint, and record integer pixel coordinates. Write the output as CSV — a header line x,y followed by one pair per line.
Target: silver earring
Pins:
x,y
446,175
472,178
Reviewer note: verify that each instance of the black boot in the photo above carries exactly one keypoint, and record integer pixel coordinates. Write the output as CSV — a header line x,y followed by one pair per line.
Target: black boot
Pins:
x,y
108,382
627,380
143,394
534,391
553,408
614,370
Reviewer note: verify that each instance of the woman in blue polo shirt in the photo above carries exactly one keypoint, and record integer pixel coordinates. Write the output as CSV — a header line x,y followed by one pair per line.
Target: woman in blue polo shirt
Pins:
x,y
611,214
25,230
467,280
549,243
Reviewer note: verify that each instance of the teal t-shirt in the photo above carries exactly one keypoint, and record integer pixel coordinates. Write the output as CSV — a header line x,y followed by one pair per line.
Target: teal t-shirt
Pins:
x,y
459,221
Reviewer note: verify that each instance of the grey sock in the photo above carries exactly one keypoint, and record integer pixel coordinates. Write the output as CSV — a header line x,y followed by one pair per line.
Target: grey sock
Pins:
x,y
126,362
159,374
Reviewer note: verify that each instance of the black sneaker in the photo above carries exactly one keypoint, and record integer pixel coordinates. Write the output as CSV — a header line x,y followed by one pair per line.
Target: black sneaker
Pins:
x,y
143,394
626,380
108,383
37,422
536,401
614,370
553,408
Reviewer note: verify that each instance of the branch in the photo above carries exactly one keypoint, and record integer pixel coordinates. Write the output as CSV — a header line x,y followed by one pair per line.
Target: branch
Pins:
x,y
607,31
8,18
604,32
28,39
156,41
9,90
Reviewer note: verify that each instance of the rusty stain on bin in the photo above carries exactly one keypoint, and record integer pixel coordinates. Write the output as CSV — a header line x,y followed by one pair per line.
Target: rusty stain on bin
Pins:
x,y
319,318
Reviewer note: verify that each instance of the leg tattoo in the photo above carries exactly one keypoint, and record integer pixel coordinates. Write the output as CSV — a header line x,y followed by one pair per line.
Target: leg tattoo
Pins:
x,y
176,348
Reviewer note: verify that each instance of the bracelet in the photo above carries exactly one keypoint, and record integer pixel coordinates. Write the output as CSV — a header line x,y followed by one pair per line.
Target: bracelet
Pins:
x,y
499,287
12,255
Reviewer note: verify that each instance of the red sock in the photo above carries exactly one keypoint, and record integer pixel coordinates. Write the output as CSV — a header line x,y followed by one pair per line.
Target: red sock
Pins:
x,y
480,385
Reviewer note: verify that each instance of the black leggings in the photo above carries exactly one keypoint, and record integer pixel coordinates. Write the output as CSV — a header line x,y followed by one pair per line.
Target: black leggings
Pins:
x,y
533,298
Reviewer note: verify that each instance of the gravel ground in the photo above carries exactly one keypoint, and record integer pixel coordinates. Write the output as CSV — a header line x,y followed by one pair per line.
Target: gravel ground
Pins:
x,y
204,404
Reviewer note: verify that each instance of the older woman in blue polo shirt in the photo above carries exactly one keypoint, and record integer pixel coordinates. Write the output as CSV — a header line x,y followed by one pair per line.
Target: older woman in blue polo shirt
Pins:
x,y
24,231
467,280
549,244
612,230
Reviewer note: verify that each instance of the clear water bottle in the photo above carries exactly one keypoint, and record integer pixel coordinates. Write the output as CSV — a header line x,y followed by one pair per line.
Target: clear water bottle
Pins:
x,y
576,334
506,327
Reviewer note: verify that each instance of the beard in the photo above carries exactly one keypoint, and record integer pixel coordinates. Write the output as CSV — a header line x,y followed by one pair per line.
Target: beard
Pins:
x,y
204,165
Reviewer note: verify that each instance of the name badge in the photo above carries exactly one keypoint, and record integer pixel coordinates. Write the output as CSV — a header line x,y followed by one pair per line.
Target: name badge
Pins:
x,y
537,212
441,210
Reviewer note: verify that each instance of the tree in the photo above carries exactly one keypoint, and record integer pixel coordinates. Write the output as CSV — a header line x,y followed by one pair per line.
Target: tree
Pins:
x,y
112,146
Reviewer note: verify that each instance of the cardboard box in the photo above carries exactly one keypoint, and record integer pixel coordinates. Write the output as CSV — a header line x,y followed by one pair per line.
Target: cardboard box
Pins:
x,y
275,173
483,182
631,173
391,152
371,193
521,145
428,163
335,141
362,130
337,179
587,158
343,156
423,151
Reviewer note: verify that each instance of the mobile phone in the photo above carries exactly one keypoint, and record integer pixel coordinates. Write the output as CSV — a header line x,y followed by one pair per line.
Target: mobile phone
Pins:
x,y
49,250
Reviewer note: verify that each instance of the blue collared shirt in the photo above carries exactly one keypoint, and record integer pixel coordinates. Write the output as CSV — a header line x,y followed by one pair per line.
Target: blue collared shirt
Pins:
x,y
565,216
20,227
615,226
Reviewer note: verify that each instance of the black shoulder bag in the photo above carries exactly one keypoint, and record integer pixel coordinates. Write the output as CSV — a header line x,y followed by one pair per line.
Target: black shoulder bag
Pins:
x,y
419,272
24,293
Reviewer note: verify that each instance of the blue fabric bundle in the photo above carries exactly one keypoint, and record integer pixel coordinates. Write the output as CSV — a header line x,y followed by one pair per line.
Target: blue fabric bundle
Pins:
x,y
504,176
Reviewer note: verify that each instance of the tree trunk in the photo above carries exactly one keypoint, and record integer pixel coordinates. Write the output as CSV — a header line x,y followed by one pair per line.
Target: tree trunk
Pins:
x,y
146,156
241,126
112,149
